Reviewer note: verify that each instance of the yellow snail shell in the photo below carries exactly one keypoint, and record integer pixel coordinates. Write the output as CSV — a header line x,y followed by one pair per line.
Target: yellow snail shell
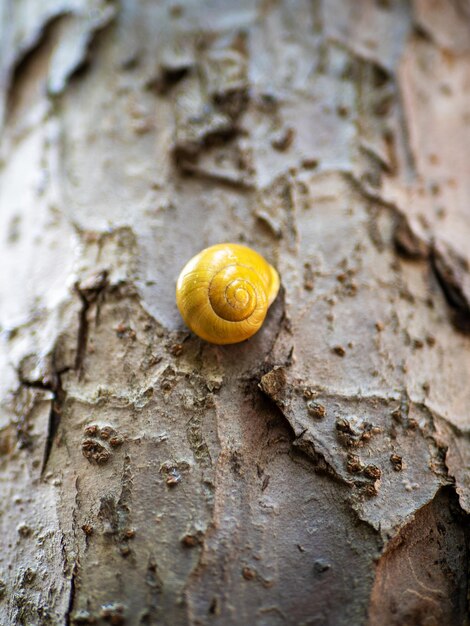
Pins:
x,y
223,293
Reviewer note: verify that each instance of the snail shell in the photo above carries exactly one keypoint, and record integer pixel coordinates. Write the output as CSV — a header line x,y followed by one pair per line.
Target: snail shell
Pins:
x,y
223,293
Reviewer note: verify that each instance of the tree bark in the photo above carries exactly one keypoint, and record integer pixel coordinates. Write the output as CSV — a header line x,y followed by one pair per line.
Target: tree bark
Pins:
x,y
317,474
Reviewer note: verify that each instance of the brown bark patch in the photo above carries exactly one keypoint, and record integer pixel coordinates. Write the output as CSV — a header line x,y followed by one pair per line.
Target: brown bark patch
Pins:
x,y
421,578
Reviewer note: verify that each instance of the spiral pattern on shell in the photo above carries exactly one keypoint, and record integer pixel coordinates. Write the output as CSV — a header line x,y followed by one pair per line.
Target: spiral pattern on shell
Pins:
x,y
223,293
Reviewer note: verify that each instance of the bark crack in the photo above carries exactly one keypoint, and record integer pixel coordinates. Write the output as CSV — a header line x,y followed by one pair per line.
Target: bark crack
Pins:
x,y
90,292
72,592
53,384
41,43
453,275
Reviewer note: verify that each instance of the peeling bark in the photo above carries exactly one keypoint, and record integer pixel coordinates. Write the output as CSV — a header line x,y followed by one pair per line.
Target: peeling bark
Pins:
x,y
316,474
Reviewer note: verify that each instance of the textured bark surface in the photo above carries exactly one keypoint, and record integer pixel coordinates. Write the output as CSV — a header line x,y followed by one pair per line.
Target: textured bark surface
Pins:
x,y
317,474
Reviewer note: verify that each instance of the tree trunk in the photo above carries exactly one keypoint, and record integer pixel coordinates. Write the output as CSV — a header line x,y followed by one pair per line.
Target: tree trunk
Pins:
x,y
317,474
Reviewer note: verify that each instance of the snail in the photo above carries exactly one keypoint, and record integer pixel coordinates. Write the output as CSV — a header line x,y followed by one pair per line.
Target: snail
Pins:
x,y
223,293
